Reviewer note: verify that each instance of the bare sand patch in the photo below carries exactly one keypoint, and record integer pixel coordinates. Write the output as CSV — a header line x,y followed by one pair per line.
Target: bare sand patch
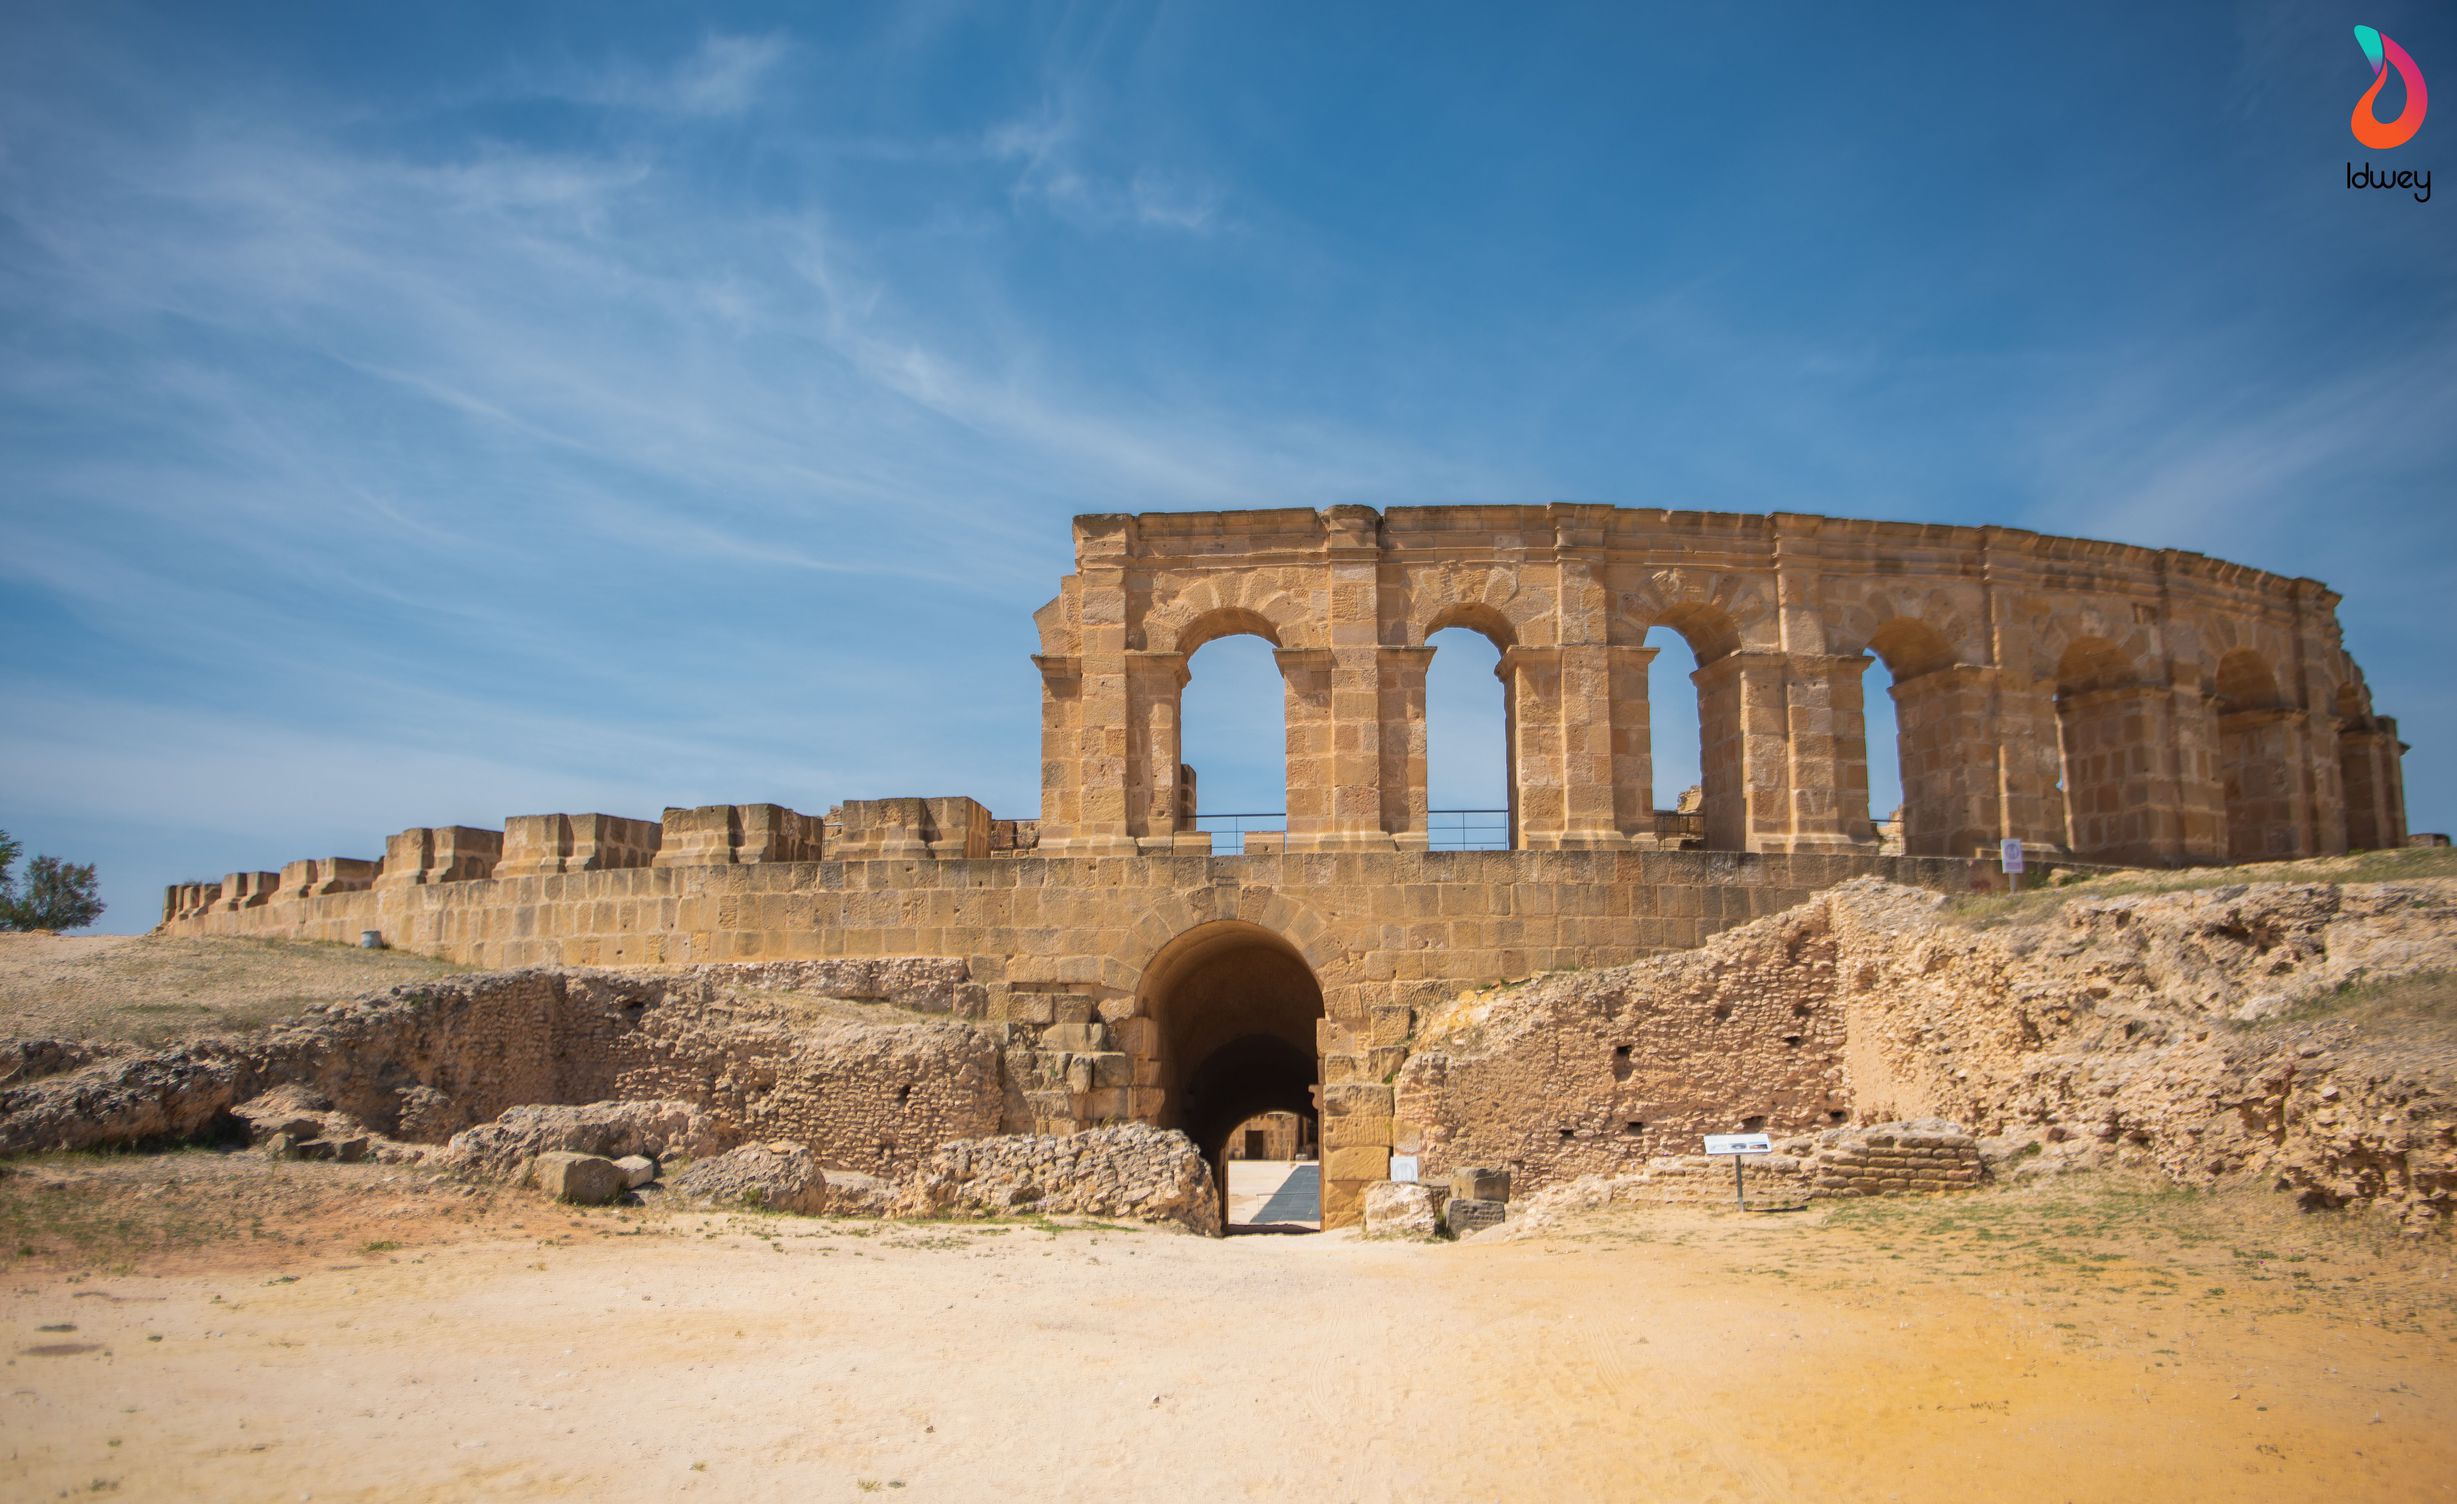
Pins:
x,y
2076,1341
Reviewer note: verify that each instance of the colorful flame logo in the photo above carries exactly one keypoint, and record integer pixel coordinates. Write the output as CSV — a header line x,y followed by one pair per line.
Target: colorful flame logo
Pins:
x,y
2368,127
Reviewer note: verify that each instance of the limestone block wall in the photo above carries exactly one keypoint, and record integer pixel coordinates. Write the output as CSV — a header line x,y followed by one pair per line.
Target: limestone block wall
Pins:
x,y
439,854
724,834
1063,943
2124,705
535,844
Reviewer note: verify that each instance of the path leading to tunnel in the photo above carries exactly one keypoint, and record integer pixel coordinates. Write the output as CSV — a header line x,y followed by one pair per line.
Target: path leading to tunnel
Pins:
x,y
1690,1357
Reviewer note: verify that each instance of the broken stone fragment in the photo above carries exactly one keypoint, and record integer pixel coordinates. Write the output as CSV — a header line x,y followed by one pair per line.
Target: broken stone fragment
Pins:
x,y
581,1179
638,1170
1480,1183
772,1178
1471,1214
1403,1209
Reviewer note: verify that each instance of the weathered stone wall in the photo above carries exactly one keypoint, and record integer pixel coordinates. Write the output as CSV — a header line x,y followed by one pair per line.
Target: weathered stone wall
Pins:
x,y
2131,705
775,1052
1063,943
2120,1029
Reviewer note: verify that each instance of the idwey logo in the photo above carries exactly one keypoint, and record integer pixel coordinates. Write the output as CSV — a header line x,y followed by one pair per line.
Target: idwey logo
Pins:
x,y
2384,52
2379,135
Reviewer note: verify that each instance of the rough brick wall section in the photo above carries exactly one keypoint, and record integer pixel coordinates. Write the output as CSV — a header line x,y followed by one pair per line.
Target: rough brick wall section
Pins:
x,y
786,1051
1131,1170
2148,1029
1892,1159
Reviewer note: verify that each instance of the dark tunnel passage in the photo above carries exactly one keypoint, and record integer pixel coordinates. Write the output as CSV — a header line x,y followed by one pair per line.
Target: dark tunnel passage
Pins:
x,y
1236,1007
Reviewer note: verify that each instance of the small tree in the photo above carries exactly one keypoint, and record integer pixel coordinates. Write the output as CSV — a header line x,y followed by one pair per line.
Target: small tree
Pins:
x,y
57,895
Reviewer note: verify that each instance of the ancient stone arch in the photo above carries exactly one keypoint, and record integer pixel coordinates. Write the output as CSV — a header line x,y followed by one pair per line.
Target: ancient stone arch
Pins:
x,y
2058,690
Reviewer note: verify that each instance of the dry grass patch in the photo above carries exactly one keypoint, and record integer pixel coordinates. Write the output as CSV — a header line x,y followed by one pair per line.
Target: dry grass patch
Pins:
x,y
149,988
2042,905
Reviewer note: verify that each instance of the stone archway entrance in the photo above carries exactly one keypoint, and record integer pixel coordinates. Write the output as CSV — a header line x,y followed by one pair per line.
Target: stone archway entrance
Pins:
x,y
1234,1007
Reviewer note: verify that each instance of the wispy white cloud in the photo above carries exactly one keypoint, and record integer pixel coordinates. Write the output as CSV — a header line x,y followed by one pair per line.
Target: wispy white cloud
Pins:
x,y
1051,170
725,76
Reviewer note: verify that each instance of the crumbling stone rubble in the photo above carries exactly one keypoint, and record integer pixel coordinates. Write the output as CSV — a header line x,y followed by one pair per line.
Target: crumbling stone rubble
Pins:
x,y
2138,1029
778,1177
500,1150
1131,1170
784,1050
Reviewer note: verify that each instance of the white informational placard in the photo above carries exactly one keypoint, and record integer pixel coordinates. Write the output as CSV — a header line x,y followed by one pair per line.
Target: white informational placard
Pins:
x,y
1738,1143
2009,851
1403,1168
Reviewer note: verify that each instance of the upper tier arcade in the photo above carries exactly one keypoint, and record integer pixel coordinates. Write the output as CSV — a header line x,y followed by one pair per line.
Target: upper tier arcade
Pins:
x,y
2112,703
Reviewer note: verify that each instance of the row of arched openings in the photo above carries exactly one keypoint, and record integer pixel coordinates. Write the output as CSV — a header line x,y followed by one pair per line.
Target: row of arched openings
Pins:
x,y
1233,734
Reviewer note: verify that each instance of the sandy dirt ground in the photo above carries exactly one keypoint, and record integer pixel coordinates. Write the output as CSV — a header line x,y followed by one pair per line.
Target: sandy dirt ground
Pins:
x,y
215,1326
149,988
1274,1195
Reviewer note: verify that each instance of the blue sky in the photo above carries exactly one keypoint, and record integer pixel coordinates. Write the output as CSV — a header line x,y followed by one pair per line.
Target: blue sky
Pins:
x,y
421,414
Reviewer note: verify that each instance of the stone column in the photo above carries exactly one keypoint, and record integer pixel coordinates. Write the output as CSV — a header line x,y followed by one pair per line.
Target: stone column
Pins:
x,y
1778,766
1633,748
2029,760
1307,673
1404,795
2375,804
2199,794
1156,686
1826,733
1731,807
1061,746
1591,817
1950,774
1352,819
1531,687
2141,776
2268,798
1104,712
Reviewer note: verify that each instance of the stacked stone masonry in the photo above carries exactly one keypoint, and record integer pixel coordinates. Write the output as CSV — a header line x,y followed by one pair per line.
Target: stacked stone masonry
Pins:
x,y
1896,1159
2099,702
2121,704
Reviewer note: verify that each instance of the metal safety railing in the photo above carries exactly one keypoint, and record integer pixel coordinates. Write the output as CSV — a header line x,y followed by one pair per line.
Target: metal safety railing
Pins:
x,y
1445,829
1467,830
1229,832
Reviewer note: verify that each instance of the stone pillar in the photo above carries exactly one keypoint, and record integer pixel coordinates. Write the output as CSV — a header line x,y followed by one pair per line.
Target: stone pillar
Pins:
x,y
1061,745
1156,687
2029,764
1951,804
2261,755
1583,717
2199,794
2141,776
1778,761
1104,712
1826,734
1591,813
1723,748
1633,747
2375,796
1404,796
1531,688
1307,673
1352,816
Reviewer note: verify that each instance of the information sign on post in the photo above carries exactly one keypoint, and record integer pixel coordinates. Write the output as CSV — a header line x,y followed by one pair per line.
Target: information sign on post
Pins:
x,y
1739,1146
2009,852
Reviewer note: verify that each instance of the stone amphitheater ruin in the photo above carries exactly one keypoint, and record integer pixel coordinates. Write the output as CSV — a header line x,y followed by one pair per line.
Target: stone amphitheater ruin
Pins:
x,y
2100,703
